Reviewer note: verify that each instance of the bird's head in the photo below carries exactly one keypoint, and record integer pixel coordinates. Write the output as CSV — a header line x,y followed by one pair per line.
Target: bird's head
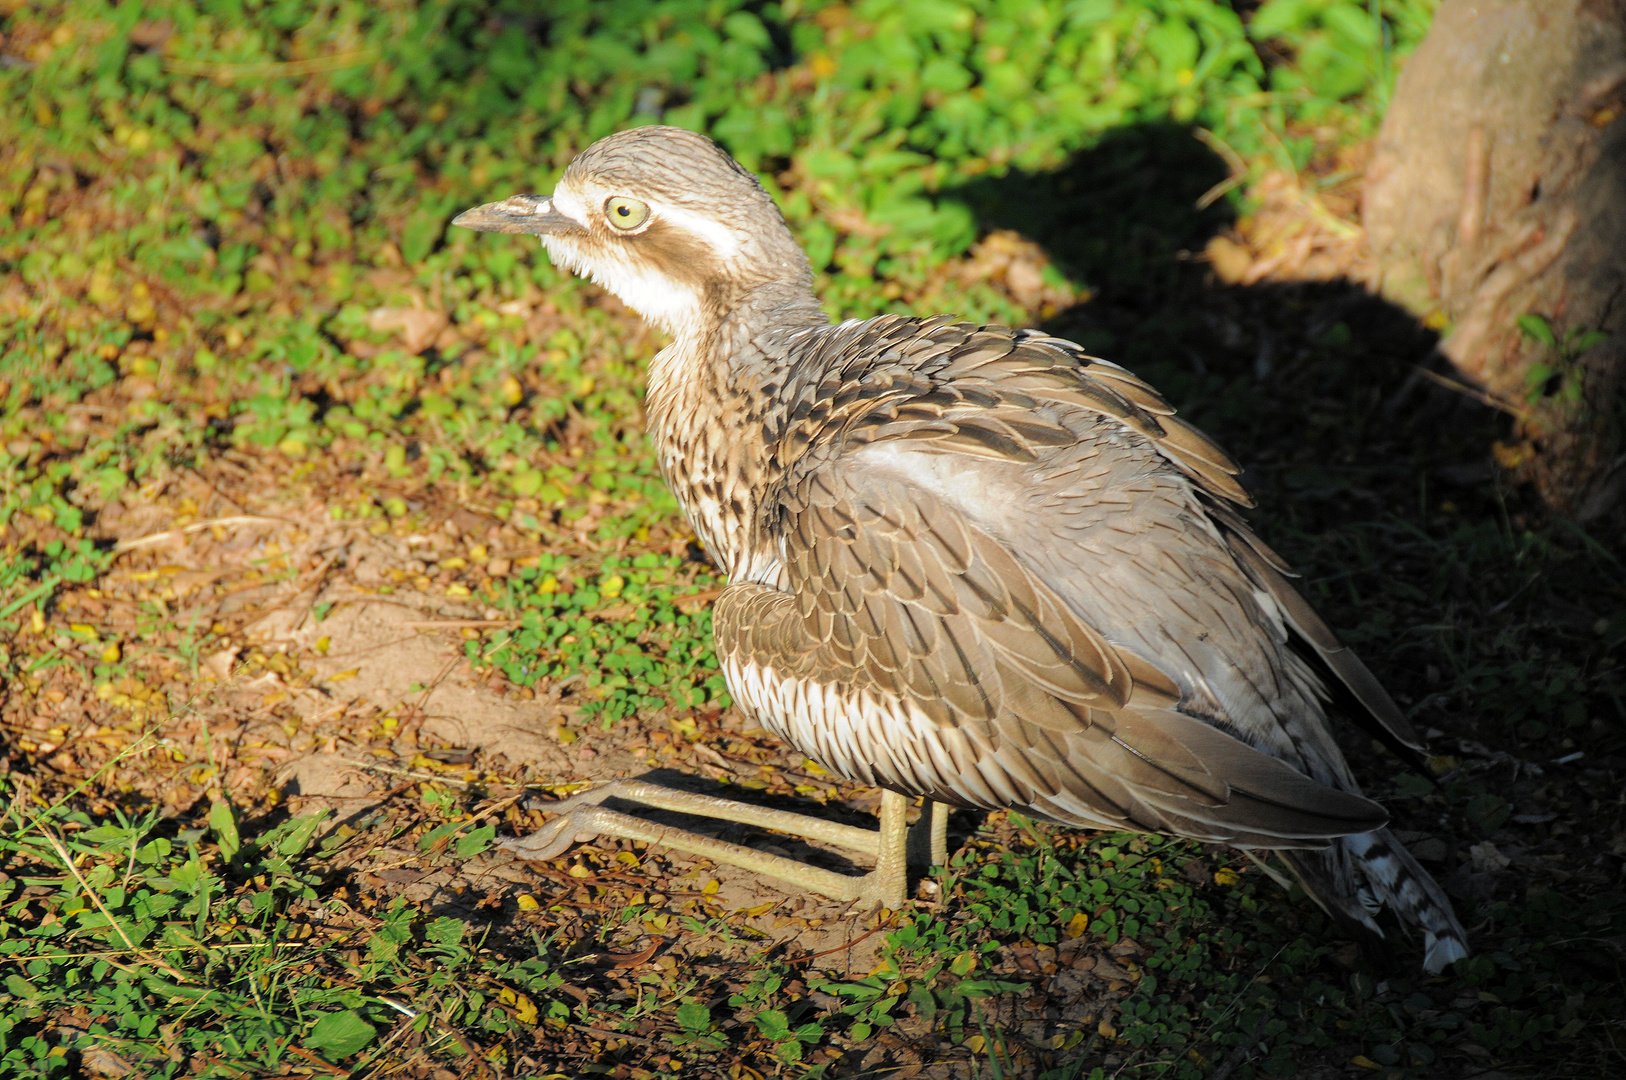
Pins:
x,y
664,219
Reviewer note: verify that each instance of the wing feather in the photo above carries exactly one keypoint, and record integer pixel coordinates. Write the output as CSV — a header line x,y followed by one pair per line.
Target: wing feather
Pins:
x,y
967,679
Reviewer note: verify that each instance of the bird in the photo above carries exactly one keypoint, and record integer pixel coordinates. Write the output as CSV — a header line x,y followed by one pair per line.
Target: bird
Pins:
x,y
969,564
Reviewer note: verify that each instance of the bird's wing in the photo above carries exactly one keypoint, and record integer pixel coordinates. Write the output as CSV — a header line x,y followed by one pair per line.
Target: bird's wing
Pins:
x,y
977,390
1355,690
908,648
1156,516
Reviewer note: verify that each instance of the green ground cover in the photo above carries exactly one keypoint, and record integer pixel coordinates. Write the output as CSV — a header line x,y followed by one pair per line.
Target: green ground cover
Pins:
x,y
224,245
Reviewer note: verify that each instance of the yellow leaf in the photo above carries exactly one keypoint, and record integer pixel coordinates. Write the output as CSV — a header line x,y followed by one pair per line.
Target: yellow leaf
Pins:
x,y
456,562
82,628
1077,925
579,871
323,644
524,1010
658,922
478,553
512,392
976,1043
1364,1062
1226,876
110,655
1510,455
344,675
527,902
626,857
565,735
457,590
1107,1030
710,888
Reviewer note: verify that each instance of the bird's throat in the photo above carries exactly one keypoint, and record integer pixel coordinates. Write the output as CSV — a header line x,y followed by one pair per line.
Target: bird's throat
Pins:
x,y
714,396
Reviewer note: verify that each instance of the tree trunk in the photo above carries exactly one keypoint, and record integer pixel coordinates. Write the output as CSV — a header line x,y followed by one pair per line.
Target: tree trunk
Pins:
x,y
1496,208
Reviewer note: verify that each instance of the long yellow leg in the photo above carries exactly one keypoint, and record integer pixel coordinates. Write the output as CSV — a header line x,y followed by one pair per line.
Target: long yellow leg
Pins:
x,y
581,819
928,840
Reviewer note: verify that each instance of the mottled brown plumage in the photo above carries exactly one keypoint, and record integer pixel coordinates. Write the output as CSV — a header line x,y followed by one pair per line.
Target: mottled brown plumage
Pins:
x,y
972,563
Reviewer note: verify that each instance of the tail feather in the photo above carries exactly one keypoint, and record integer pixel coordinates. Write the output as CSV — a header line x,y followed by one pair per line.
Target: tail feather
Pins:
x,y
1359,875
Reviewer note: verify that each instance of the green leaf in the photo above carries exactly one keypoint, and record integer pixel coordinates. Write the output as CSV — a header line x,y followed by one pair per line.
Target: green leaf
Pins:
x,y
445,931
338,1035
223,820
1487,812
1537,328
1174,45
299,833
773,1024
1578,342
431,839
1354,24
476,841
745,27
1276,18
694,1017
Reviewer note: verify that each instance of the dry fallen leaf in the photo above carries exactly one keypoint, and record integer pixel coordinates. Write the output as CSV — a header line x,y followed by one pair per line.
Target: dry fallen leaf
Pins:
x,y
417,326
219,665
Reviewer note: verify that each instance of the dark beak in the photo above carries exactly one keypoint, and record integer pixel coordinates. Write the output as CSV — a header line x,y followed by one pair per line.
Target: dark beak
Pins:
x,y
517,214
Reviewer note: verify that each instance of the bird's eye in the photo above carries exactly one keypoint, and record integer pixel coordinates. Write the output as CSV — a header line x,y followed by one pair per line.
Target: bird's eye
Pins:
x,y
625,214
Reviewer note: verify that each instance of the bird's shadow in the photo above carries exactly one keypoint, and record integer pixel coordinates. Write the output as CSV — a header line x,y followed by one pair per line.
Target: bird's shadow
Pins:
x,y
1304,382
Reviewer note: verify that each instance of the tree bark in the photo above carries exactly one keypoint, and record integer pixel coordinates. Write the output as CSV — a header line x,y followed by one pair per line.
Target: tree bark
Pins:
x,y
1498,191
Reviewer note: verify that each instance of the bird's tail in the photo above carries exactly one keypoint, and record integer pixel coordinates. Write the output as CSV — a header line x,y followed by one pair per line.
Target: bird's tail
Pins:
x,y
1357,876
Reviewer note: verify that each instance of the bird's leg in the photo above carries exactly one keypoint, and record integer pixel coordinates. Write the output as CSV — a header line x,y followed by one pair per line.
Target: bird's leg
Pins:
x,y
581,819
689,802
928,838
888,883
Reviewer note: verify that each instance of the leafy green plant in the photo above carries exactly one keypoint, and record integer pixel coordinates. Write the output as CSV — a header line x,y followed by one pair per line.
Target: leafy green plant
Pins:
x,y
1340,48
1560,379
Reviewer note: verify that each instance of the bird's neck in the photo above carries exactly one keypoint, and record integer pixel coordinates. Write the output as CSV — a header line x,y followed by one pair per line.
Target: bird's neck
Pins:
x,y
713,394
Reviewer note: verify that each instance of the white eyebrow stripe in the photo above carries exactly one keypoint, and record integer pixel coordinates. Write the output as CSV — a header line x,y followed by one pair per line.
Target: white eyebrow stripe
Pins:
x,y
725,241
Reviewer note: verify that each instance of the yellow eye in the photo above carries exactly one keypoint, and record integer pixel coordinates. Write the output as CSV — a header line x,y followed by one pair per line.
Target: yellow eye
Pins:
x,y
625,214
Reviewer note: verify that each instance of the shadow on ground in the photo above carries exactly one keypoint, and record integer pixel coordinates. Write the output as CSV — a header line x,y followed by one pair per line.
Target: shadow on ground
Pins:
x,y
1489,622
